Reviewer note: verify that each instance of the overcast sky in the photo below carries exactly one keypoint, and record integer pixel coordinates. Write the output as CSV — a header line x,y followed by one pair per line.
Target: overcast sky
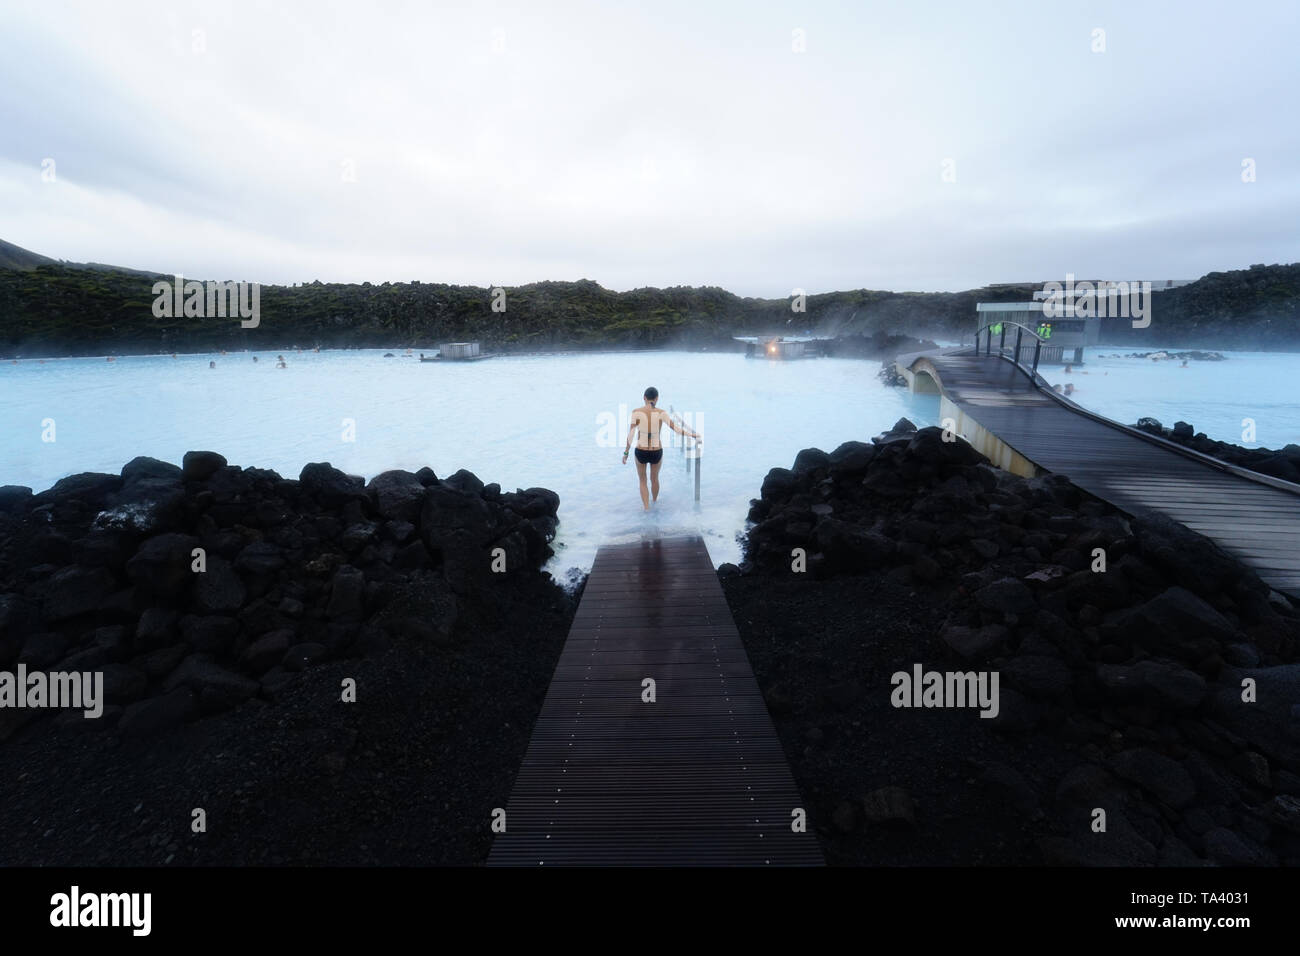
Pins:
x,y
657,144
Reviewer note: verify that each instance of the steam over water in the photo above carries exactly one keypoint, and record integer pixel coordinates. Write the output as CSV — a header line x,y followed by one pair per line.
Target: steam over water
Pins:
x,y
557,422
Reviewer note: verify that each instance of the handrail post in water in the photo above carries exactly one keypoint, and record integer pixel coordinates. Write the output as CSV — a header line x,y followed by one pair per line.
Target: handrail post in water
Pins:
x,y
1038,346
698,451
681,436
1002,342
1020,330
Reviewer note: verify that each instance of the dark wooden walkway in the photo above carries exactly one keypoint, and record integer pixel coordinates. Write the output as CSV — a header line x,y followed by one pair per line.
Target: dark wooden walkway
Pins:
x,y
1254,518
696,778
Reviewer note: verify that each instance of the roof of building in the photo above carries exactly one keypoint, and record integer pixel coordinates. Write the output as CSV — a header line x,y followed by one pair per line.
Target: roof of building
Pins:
x,y
1008,307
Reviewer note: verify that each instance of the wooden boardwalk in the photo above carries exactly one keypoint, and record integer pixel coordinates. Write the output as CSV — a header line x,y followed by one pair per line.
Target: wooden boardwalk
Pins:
x,y
1253,517
698,776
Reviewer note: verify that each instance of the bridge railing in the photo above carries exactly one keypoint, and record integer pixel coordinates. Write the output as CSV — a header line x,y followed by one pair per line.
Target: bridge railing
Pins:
x,y
1172,446
1185,452
987,332
1258,477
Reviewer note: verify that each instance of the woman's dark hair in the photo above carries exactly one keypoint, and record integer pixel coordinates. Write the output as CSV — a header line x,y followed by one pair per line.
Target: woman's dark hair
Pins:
x,y
652,392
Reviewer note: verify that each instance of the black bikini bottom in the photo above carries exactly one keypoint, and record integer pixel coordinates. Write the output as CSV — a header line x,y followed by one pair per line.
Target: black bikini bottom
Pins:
x,y
647,457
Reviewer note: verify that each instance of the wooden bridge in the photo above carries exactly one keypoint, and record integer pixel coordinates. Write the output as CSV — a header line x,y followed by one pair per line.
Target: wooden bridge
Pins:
x,y
1011,414
691,774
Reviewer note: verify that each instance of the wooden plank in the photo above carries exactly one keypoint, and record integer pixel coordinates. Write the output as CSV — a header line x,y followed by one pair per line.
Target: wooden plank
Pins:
x,y
696,777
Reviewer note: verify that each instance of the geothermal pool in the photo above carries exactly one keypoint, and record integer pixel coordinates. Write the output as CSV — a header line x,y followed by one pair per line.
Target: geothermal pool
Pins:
x,y
553,421
557,422
1215,397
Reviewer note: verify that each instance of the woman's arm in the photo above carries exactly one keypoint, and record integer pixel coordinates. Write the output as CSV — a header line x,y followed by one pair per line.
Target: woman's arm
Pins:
x,y
631,433
683,430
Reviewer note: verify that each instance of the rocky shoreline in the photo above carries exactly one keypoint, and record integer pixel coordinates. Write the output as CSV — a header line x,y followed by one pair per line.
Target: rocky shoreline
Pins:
x,y
1195,355
228,609
1121,690
1281,463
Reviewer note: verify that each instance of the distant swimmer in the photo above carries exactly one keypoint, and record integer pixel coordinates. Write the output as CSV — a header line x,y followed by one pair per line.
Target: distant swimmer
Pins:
x,y
1068,369
212,365
1184,365
254,358
173,355
281,363
1069,389
647,422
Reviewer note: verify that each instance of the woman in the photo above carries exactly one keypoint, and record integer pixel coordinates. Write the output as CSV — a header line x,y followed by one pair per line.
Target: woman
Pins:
x,y
647,421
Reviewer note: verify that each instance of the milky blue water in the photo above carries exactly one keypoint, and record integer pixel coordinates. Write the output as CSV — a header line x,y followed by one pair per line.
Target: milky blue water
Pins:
x,y
552,421
1214,397
557,422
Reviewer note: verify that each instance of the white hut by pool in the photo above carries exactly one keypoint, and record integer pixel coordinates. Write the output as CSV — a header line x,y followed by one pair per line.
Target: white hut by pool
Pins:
x,y
459,350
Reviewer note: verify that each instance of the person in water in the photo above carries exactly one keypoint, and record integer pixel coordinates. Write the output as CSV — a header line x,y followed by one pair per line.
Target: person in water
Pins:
x,y
647,422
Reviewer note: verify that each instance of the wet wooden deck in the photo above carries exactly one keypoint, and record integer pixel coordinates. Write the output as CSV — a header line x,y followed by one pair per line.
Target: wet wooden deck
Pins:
x,y
697,778
1254,518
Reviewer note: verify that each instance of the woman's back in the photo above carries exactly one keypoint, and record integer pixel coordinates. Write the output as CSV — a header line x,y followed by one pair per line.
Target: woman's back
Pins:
x,y
649,422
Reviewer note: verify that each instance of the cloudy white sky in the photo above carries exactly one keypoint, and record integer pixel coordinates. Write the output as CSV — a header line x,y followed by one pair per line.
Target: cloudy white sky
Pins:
x,y
664,143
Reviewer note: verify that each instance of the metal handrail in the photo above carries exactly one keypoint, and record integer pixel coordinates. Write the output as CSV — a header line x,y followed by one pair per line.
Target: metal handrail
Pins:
x,y
1239,471
694,449
1002,342
1045,388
